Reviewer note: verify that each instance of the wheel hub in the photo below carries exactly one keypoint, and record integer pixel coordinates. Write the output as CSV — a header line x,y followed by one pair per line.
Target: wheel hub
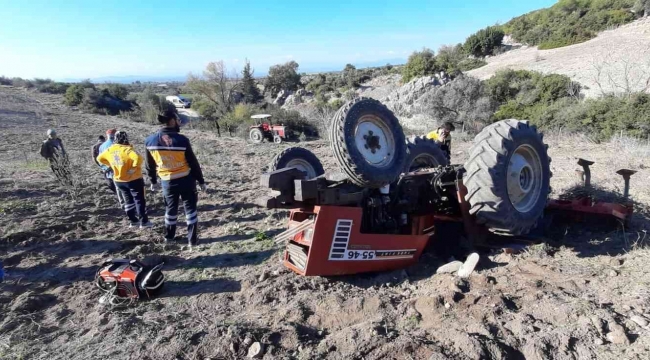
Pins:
x,y
524,178
375,141
304,166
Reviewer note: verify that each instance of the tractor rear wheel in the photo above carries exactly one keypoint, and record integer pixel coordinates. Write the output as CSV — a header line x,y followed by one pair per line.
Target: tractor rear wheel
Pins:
x,y
423,153
508,177
368,142
256,135
300,158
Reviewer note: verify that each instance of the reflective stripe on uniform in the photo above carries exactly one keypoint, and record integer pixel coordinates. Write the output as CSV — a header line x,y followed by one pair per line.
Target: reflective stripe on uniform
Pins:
x,y
165,148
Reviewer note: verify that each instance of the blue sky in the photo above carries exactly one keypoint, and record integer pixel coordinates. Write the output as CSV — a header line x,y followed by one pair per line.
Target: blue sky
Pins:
x,y
86,39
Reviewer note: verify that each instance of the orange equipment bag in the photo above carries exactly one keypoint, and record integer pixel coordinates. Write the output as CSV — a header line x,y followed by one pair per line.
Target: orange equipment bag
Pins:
x,y
124,281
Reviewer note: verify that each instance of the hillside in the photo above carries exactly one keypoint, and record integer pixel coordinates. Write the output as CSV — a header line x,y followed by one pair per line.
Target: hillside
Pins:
x,y
615,61
575,298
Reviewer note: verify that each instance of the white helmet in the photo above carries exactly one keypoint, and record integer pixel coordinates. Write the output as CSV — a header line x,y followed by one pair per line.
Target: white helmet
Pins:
x,y
51,132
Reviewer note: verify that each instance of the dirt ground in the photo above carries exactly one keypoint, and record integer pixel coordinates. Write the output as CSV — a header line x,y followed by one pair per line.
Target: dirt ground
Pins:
x,y
582,295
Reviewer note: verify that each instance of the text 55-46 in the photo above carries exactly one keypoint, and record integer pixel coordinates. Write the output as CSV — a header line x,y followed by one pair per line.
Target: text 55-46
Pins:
x,y
360,255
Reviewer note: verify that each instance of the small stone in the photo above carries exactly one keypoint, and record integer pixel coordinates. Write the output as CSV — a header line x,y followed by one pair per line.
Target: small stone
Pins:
x,y
617,334
627,307
255,350
449,268
613,273
468,266
598,341
447,305
276,272
639,320
263,276
616,262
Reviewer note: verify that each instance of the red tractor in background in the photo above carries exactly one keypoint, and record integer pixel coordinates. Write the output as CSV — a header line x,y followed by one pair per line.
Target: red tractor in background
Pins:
x,y
266,130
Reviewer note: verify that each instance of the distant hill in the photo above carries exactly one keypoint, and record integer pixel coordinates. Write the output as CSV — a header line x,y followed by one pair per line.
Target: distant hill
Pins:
x,y
132,78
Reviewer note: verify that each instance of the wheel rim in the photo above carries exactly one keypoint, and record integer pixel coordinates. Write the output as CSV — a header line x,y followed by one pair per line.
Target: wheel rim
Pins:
x,y
256,136
304,166
524,178
423,161
375,141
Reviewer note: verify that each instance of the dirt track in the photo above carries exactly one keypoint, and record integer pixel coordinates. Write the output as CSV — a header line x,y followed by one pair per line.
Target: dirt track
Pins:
x,y
571,299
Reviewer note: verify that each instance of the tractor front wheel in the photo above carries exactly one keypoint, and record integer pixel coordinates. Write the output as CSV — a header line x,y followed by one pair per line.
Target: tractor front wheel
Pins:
x,y
368,142
256,135
423,153
299,158
277,139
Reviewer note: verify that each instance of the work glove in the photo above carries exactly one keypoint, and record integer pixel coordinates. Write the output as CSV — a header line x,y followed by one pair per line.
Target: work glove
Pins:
x,y
154,187
203,187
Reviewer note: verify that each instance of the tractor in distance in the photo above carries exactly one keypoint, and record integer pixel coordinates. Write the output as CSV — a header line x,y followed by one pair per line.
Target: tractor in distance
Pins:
x,y
264,129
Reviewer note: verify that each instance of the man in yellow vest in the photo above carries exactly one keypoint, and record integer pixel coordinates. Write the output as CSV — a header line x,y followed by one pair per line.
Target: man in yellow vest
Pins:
x,y
442,136
126,166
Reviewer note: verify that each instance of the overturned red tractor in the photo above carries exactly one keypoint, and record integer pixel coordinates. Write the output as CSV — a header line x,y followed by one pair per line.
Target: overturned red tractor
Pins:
x,y
395,194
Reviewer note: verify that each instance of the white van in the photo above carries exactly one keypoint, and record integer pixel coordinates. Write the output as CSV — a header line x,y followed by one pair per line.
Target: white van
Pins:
x,y
178,101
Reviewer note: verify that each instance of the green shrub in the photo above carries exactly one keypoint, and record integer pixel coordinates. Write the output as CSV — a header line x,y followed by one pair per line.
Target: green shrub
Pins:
x,y
449,58
420,63
24,83
149,105
5,81
569,22
117,91
53,88
102,102
484,42
282,77
74,94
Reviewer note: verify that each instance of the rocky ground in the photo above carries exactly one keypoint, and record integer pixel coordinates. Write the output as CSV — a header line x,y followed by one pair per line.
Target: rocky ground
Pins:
x,y
582,295
616,61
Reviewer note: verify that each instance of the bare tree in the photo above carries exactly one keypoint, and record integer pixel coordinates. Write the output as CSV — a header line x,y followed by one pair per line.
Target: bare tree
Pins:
x,y
219,86
622,76
462,101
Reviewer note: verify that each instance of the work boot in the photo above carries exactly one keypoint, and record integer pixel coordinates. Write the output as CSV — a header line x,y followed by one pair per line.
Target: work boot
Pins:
x,y
146,225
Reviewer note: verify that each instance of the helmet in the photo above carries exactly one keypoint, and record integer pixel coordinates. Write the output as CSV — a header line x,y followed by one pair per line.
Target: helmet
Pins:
x,y
51,132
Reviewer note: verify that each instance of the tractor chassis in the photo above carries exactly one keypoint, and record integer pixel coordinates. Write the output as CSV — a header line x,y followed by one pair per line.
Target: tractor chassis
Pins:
x,y
328,232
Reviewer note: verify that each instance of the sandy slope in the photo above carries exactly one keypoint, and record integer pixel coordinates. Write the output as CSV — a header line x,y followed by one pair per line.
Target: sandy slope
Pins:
x,y
573,299
617,52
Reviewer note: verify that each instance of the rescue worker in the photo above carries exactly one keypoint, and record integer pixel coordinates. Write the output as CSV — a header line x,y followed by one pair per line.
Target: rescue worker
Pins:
x,y
442,136
126,166
95,149
108,172
52,149
170,157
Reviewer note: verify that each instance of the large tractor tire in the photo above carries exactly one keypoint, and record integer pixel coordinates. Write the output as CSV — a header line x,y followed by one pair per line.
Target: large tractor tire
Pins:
x,y
256,135
368,142
300,158
423,153
508,177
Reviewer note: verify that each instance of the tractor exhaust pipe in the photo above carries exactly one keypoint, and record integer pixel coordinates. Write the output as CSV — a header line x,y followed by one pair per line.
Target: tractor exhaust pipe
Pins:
x,y
626,174
586,172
